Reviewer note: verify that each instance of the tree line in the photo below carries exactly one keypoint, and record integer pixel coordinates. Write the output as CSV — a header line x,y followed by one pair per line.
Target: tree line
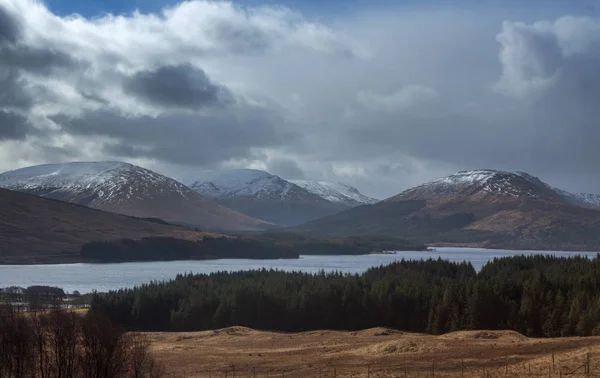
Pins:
x,y
535,295
267,246
65,344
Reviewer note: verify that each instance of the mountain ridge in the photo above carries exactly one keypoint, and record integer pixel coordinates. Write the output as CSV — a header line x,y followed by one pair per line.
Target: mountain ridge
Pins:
x,y
497,182
124,188
485,208
267,196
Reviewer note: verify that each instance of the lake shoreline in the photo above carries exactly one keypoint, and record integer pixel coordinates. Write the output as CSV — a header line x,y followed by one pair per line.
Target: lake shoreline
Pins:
x,y
86,277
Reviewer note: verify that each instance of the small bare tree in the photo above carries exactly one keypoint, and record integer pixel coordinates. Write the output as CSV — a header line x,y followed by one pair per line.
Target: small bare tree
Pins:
x,y
141,362
105,351
63,328
41,344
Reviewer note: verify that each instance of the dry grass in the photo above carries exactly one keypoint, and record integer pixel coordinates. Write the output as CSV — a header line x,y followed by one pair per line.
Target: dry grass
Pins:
x,y
389,353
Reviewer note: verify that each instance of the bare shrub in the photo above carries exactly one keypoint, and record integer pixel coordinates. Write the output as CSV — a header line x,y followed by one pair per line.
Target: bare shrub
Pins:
x,y
141,362
62,344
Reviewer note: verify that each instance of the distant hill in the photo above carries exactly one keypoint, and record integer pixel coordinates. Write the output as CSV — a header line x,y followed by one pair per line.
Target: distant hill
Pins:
x,y
265,196
127,189
39,230
485,208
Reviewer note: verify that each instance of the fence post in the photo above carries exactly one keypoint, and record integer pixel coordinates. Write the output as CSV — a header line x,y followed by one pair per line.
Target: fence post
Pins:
x,y
462,367
588,370
506,366
433,369
553,365
334,372
549,372
368,371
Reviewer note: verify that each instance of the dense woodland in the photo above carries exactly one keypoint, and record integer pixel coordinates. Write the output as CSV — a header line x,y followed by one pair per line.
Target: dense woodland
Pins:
x,y
268,246
535,295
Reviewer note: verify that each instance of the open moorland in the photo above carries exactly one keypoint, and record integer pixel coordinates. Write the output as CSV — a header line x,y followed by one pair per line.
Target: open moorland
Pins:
x,y
377,352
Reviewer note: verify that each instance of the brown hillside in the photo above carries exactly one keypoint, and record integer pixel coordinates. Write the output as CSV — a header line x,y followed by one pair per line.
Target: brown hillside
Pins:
x,y
481,208
39,230
379,352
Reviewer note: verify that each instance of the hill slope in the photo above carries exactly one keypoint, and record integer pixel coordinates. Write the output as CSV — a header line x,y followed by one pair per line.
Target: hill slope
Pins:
x,y
127,189
479,208
263,195
39,230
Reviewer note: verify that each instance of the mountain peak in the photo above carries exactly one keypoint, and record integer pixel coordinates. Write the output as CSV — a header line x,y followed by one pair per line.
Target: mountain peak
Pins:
x,y
484,183
481,182
242,183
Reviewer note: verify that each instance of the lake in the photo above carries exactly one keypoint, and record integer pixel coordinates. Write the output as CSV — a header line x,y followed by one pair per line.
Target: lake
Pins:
x,y
103,277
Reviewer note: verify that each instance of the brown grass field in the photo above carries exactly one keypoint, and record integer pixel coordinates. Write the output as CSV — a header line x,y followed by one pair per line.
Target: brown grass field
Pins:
x,y
379,352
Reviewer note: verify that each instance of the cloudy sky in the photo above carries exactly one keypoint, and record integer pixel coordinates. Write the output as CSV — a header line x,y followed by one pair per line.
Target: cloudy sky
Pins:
x,y
382,95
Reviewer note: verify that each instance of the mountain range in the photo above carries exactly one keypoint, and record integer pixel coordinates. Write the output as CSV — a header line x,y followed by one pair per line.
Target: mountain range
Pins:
x,y
127,189
284,202
485,208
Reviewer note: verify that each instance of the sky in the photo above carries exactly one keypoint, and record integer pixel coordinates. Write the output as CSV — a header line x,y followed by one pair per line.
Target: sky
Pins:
x,y
382,95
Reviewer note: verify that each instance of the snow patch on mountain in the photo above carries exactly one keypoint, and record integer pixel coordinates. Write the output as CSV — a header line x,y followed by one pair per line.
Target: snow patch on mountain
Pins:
x,y
502,183
105,181
243,183
335,192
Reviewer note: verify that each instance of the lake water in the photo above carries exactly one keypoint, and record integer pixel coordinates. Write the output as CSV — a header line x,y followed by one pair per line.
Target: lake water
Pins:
x,y
103,277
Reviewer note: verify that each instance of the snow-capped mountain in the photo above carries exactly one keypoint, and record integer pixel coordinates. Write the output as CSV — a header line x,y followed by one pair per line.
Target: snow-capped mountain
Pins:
x,y
126,189
497,183
248,183
336,192
478,182
482,208
263,195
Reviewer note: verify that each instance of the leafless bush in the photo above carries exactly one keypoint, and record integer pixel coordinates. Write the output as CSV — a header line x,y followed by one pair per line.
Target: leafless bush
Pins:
x,y
142,364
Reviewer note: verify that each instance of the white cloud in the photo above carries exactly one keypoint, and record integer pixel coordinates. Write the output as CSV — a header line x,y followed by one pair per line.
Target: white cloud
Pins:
x,y
536,56
383,100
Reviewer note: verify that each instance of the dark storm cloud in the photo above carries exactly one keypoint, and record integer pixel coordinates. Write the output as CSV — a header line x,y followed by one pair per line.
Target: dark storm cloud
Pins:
x,y
12,90
13,126
22,56
34,60
182,86
9,27
182,138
